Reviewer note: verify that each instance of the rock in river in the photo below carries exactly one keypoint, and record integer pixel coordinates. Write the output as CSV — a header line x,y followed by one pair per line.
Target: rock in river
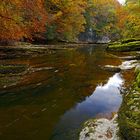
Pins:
x,y
111,68
12,68
100,129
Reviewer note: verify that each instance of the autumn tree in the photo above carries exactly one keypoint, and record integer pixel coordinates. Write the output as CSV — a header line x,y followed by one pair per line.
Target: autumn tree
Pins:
x,y
104,17
133,19
21,19
65,18
10,20
129,19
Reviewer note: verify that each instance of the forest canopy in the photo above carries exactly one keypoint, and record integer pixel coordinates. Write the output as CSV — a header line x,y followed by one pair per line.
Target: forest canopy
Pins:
x,y
66,19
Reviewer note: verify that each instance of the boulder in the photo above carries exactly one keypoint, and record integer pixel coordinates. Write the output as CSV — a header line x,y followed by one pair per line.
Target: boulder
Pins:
x,y
130,58
100,129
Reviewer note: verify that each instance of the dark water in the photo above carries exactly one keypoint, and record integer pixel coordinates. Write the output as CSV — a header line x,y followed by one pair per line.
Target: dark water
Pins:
x,y
67,88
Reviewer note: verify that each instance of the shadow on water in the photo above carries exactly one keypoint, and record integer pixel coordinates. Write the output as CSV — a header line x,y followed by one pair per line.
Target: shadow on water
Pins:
x,y
53,103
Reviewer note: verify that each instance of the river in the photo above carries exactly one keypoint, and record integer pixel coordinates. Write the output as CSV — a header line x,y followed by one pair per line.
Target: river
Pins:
x,y
66,88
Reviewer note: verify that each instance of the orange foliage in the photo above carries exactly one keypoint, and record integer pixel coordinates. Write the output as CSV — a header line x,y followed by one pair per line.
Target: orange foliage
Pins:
x,y
21,18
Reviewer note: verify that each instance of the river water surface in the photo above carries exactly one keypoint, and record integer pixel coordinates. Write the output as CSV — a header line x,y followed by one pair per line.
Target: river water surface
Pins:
x,y
66,88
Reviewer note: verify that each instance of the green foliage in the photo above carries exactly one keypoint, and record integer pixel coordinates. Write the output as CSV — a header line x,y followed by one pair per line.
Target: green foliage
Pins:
x,y
101,17
129,19
51,32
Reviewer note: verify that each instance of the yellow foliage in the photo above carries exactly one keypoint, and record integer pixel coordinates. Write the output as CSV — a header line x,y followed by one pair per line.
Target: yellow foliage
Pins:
x,y
68,16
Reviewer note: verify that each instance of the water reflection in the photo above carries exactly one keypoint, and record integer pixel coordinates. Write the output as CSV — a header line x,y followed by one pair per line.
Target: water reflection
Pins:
x,y
45,103
105,99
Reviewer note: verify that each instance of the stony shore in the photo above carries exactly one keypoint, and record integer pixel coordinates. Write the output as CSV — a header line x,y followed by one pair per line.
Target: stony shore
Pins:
x,y
129,113
31,50
127,125
100,129
11,52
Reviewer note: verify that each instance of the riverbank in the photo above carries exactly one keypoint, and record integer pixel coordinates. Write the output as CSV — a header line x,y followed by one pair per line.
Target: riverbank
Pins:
x,y
124,125
126,45
127,124
31,50
10,52
100,129
129,113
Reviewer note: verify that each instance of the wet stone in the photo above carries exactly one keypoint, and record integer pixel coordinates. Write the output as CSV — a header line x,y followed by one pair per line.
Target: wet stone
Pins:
x,y
111,68
12,68
100,129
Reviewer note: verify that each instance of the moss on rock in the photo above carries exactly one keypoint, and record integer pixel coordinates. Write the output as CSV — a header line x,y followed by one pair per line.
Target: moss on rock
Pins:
x,y
129,113
132,44
127,40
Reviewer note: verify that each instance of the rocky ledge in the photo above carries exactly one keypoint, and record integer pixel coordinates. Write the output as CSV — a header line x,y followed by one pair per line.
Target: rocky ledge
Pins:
x,y
12,74
124,127
129,113
132,44
100,129
12,68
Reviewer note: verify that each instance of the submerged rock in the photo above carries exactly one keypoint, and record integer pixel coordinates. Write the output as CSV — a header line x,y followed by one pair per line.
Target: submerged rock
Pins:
x,y
111,68
100,129
11,74
12,68
8,81
32,69
127,65
130,58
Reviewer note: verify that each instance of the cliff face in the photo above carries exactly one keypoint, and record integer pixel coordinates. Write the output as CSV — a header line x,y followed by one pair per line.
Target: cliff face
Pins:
x,y
90,36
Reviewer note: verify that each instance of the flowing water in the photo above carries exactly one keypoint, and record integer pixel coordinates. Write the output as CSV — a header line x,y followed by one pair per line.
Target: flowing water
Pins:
x,y
64,89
